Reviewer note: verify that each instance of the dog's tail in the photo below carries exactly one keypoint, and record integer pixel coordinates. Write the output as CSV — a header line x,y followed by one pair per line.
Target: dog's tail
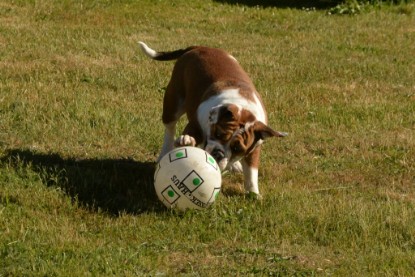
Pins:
x,y
163,56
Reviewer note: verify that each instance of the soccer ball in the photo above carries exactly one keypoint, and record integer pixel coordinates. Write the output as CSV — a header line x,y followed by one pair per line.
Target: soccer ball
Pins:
x,y
187,178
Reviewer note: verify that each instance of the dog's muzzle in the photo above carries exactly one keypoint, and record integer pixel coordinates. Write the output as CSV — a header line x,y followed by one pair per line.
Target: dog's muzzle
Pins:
x,y
218,155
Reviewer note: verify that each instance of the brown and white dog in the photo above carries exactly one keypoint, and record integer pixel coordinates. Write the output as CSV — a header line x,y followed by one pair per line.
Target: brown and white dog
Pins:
x,y
225,114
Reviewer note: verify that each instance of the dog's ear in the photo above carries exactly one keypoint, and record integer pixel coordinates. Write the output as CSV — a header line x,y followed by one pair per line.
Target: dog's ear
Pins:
x,y
263,132
229,112
224,113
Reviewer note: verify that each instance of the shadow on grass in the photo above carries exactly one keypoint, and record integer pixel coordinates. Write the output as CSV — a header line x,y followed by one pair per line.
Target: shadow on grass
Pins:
x,y
111,185
293,4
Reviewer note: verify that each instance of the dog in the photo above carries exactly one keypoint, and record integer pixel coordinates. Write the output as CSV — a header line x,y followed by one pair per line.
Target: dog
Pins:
x,y
226,116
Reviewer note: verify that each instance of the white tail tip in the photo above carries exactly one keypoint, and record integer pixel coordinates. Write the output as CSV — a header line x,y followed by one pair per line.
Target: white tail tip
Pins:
x,y
147,50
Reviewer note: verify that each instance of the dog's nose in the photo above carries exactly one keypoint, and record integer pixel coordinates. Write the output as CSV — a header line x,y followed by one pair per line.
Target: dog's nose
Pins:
x,y
217,154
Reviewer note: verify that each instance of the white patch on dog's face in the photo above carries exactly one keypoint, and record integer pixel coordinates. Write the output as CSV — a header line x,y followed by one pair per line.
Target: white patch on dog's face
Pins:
x,y
214,114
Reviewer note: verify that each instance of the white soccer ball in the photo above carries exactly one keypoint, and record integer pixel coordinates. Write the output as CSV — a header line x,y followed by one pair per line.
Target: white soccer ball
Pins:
x,y
187,178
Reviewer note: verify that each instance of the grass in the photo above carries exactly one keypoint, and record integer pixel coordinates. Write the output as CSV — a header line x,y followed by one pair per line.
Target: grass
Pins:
x,y
80,130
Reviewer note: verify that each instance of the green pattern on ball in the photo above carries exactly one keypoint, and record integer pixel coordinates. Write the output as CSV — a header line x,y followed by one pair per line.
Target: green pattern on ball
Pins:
x,y
196,181
179,154
211,160
170,193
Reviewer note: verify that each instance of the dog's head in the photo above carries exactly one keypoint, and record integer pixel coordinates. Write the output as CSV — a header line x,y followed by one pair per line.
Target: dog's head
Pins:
x,y
235,132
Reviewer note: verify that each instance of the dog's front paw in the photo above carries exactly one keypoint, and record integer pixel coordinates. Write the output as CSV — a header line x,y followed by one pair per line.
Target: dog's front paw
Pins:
x,y
236,167
185,140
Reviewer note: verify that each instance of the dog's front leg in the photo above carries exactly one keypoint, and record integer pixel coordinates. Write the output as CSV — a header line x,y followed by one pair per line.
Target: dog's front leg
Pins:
x,y
250,168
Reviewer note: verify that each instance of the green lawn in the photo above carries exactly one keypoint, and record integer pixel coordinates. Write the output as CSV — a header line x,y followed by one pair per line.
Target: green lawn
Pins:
x,y
80,129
